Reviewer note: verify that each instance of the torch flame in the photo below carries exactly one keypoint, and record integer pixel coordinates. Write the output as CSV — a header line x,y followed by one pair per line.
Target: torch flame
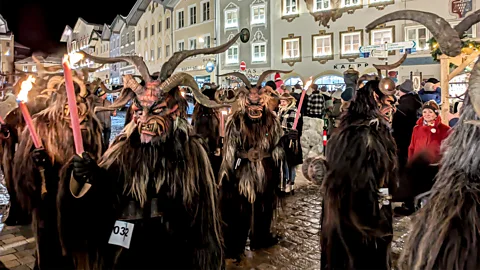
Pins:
x,y
307,85
72,58
224,112
25,88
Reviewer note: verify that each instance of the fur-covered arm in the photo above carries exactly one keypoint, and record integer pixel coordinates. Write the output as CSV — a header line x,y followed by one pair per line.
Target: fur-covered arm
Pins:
x,y
205,235
232,137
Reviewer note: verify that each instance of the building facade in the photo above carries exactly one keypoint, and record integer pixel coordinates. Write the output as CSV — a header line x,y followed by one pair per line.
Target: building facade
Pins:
x,y
7,52
306,39
153,32
115,49
257,54
28,65
100,41
127,47
195,29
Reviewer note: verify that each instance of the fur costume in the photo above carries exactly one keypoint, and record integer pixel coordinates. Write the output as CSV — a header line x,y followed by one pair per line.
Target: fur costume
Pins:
x,y
357,219
156,175
445,232
38,193
251,171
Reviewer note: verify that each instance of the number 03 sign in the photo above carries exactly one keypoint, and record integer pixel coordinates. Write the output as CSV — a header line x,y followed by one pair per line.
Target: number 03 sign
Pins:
x,y
121,234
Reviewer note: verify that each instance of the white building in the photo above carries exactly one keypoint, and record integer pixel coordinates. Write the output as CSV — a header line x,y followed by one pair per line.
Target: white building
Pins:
x,y
324,53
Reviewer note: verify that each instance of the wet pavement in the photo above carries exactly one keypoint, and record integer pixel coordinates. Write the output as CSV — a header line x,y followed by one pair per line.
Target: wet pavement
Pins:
x,y
298,221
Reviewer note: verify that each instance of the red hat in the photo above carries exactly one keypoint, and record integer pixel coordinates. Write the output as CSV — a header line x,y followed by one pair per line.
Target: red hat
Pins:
x,y
277,77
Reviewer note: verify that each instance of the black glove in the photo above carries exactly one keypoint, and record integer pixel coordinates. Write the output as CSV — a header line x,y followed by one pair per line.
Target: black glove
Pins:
x,y
5,131
41,158
84,168
293,134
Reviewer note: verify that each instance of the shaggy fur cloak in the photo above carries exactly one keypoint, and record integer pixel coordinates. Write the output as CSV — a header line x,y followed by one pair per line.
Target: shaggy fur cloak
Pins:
x,y
180,231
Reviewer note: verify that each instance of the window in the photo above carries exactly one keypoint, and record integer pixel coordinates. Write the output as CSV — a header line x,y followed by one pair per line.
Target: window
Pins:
x,y
470,33
145,34
180,22
290,7
160,26
25,69
152,30
167,51
350,3
159,52
381,36
180,46
139,34
232,55
193,14
322,46
231,18
322,5
167,23
259,52
206,41
258,14
128,38
34,68
192,44
420,35
351,42
205,11
291,48
146,56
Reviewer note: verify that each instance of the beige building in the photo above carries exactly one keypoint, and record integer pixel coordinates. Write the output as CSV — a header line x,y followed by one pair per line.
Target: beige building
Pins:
x,y
28,65
100,41
153,32
7,52
194,29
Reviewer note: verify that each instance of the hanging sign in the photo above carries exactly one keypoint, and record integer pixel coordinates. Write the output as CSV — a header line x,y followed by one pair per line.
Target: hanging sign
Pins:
x,y
460,8
210,67
243,66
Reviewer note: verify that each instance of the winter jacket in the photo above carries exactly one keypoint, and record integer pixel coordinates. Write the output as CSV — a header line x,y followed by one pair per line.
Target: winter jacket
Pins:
x,y
404,120
431,95
294,153
104,116
297,95
428,139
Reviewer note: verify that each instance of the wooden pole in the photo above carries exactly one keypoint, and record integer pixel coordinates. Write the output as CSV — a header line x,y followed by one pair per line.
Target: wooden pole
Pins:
x,y
444,84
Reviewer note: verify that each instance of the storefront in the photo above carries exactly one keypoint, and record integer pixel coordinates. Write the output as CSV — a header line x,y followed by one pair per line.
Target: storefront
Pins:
x,y
332,82
202,79
292,81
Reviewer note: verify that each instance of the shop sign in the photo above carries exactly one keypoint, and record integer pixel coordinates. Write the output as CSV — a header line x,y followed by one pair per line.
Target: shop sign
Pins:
x,y
347,65
460,8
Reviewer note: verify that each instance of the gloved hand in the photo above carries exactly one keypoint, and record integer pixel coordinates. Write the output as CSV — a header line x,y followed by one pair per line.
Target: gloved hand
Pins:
x,y
84,168
293,134
5,131
41,159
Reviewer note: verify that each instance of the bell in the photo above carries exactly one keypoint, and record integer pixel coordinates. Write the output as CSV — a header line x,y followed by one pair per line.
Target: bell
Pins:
x,y
387,86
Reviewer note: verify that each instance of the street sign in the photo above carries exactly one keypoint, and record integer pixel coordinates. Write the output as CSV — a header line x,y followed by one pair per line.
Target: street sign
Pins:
x,y
243,66
368,49
381,51
400,45
379,54
209,67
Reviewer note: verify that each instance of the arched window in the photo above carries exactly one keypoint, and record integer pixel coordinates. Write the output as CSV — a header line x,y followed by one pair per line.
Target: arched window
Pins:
x,y
332,82
293,80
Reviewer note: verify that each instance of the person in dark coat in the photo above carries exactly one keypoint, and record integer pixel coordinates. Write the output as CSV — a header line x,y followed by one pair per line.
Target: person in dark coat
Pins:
x,y
297,94
404,119
293,149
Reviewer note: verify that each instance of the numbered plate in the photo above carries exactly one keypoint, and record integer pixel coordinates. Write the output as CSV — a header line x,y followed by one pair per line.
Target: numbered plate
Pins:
x,y
121,234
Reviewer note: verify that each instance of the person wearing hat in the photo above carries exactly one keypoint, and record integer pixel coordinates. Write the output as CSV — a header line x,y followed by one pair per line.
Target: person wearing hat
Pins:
x,y
346,97
279,83
104,116
287,112
431,91
404,119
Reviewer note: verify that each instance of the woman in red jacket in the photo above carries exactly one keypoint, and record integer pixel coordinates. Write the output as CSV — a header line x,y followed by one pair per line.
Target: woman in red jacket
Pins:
x,y
428,134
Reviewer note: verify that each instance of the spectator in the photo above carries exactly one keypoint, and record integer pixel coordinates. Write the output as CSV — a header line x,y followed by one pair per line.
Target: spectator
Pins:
x,y
405,119
429,133
297,94
328,99
316,103
431,91
337,109
456,114
346,97
104,117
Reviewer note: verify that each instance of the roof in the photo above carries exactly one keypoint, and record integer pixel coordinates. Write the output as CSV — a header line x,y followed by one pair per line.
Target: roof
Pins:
x,y
66,33
3,25
137,11
49,59
117,24
20,46
106,32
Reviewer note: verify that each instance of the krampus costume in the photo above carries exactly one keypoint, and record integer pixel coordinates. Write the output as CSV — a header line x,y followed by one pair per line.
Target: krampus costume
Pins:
x,y
155,183
357,217
37,175
251,171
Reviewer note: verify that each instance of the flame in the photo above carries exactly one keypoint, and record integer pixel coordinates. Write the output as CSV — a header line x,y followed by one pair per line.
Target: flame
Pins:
x,y
72,58
25,88
182,93
224,112
307,85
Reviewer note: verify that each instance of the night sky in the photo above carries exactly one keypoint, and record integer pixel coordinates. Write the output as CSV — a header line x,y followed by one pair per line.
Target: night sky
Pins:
x,y
39,24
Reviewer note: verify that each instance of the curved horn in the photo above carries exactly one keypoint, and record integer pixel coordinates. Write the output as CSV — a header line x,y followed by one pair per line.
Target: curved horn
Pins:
x,y
474,88
125,96
447,38
137,61
130,82
169,67
241,76
228,100
391,66
87,71
264,75
184,79
54,82
468,22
